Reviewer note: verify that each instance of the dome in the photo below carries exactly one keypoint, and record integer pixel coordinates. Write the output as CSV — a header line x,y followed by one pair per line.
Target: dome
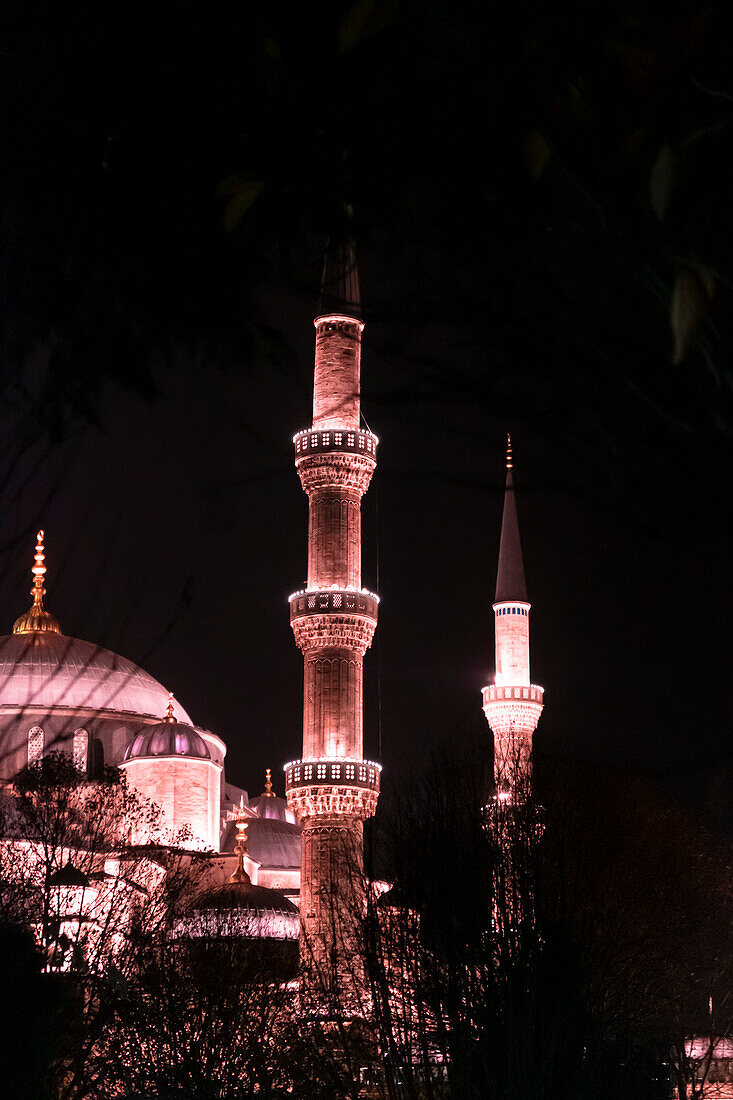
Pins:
x,y
272,842
169,738
269,805
242,910
272,807
46,670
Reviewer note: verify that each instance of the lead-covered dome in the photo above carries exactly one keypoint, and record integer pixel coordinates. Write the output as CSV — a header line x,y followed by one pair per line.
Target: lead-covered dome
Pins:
x,y
167,738
47,670
269,805
272,842
239,909
242,910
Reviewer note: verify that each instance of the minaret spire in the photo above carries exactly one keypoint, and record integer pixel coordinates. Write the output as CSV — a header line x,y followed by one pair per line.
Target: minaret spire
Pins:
x,y
340,289
512,704
510,582
333,788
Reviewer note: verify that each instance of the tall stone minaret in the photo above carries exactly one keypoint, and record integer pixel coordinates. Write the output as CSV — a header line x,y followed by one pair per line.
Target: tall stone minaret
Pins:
x,y
332,788
512,704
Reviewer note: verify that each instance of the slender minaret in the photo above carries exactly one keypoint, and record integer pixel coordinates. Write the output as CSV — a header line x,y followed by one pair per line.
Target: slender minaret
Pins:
x,y
512,704
332,788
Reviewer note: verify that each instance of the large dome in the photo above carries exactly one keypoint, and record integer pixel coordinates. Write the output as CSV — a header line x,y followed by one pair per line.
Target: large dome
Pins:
x,y
48,670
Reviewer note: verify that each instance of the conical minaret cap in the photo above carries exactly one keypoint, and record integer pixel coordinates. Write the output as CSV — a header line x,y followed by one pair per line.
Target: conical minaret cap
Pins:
x,y
510,582
340,289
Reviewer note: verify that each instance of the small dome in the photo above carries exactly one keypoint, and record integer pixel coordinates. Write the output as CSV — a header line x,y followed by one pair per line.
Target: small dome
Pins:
x,y
272,807
167,739
271,841
242,910
244,896
269,805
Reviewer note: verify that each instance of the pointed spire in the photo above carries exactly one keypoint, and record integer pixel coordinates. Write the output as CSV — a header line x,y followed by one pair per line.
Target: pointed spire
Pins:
x,y
240,875
37,619
169,716
268,791
510,583
340,290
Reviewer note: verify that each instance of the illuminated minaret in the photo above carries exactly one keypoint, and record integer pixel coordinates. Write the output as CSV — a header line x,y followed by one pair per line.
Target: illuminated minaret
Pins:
x,y
332,788
512,704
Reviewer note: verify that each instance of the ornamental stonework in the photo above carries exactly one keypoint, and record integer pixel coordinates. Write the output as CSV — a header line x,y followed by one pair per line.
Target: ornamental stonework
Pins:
x,y
341,801
512,716
335,471
354,632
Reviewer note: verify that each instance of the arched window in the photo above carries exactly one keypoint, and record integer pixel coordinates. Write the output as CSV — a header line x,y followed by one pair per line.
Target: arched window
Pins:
x,y
79,749
35,744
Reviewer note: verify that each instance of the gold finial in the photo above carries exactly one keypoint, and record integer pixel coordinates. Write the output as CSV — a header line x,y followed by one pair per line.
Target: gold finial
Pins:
x,y
169,716
37,619
509,462
268,791
240,875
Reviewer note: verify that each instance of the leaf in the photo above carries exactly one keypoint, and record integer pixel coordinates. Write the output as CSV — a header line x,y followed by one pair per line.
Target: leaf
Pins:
x,y
537,153
661,181
692,295
366,17
243,192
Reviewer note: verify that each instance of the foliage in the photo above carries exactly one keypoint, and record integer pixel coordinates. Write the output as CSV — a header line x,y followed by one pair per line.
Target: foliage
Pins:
x,y
555,950
71,875
549,187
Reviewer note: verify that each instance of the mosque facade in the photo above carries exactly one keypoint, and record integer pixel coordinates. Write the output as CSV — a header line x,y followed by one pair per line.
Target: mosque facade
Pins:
x,y
66,695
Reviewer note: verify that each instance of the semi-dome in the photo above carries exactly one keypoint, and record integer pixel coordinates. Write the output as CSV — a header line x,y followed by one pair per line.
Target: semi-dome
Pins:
x,y
167,738
44,669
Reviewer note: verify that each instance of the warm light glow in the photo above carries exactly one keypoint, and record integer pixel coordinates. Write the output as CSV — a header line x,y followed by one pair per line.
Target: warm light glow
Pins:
x,y
334,760
333,588
324,318
354,431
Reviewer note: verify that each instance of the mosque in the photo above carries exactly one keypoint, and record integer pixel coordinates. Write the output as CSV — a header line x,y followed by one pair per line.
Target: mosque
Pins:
x,y
292,855
63,694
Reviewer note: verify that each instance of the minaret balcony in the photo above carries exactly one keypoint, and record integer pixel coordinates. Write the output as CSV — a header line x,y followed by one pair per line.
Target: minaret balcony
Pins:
x,y
532,693
334,618
334,601
330,786
513,710
349,440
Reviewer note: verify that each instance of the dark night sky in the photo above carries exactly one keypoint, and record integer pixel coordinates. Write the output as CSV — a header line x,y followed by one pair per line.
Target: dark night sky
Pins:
x,y
157,365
